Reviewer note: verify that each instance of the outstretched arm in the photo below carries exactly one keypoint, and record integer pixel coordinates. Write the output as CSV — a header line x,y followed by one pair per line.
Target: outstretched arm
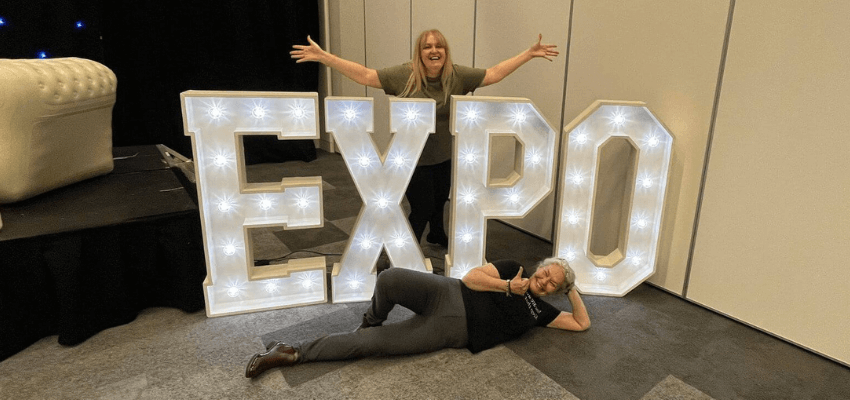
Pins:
x,y
499,71
578,320
354,71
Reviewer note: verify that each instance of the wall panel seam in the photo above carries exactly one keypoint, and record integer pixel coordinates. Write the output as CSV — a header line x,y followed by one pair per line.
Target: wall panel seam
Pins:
x,y
566,66
563,121
709,141
474,33
365,45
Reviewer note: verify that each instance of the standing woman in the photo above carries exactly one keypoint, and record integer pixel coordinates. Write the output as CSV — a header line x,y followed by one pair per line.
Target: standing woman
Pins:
x,y
431,74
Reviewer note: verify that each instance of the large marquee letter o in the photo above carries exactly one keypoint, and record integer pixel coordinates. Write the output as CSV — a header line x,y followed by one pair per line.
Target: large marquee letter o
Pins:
x,y
614,168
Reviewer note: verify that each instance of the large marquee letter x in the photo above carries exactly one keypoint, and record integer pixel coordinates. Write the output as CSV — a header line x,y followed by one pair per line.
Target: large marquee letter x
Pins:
x,y
381,180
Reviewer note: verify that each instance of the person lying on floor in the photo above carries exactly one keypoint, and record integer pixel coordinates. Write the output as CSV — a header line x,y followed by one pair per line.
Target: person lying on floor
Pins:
x,y
492,304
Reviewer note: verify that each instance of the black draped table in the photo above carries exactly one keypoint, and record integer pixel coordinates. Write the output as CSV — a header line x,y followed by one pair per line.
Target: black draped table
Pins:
x,y
90,256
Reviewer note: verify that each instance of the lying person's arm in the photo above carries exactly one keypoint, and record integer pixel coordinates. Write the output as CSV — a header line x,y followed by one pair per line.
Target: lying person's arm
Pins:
x,y
578,320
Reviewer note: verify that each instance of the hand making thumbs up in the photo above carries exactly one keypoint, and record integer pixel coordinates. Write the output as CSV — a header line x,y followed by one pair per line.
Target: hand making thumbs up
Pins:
x,y
519,285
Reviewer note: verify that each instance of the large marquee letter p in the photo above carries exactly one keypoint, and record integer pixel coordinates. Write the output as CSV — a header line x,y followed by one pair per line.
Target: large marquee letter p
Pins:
x,y
489,186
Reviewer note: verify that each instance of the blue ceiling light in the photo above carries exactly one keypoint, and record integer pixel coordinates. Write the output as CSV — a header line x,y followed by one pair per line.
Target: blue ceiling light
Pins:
x,y
2,21
42,54
80,24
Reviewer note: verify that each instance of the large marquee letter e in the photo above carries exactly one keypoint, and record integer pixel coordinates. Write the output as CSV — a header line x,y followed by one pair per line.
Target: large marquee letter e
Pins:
x,y
229,206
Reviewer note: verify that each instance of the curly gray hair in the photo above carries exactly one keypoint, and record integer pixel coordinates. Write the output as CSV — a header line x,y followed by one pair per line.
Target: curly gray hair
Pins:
x,y
569,275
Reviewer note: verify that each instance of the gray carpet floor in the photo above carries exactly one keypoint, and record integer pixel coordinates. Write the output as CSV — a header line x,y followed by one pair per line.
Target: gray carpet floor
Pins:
x,y
646,345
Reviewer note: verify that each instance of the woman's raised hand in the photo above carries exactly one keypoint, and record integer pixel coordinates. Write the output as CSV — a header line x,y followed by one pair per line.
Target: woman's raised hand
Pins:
x,y
543,50
311,52
518,284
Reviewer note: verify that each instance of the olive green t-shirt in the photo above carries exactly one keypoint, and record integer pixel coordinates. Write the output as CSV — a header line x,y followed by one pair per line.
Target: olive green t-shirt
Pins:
x,y
438,148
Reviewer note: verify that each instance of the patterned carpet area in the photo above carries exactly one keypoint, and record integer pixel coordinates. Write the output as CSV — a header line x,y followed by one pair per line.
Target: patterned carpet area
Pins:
x,y
498,373
646,345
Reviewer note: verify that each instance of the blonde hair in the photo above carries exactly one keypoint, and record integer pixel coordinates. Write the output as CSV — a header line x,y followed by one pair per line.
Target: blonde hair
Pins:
x,y
418,77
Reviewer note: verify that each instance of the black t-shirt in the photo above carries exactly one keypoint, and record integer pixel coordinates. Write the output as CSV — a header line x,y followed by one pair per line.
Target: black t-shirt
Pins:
x,y
493,318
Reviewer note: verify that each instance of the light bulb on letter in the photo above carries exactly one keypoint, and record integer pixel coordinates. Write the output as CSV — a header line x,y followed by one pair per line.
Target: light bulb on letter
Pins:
x,y
354,282
576,178
573,217
298,112
619,119
220,160
307,282
411,115
467,196
215,112
399,160
513,196
349,114
653,141
468,156
534,158
399,240
266,204
258,112
518,117
581,138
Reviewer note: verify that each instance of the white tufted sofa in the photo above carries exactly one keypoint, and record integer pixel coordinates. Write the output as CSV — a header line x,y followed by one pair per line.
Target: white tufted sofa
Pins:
x,y
55,124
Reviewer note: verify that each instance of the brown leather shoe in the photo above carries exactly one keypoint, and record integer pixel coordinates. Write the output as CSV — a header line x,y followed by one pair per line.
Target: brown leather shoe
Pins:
x,y
279,354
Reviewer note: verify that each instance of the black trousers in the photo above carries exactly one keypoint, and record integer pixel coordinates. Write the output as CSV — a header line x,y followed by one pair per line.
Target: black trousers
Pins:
x,y
427,194
439,323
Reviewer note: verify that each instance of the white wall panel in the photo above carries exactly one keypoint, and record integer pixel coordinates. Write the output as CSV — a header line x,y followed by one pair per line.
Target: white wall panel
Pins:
x,y
503,30
348,41
665,53
325,141
387,44
771,248
454,18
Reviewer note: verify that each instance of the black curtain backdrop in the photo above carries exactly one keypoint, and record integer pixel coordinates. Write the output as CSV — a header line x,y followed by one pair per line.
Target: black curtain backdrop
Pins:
x,y
34,26
160,48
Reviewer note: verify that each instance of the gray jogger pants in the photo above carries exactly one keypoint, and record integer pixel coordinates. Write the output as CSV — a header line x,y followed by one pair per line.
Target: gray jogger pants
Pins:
x,y
440,320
